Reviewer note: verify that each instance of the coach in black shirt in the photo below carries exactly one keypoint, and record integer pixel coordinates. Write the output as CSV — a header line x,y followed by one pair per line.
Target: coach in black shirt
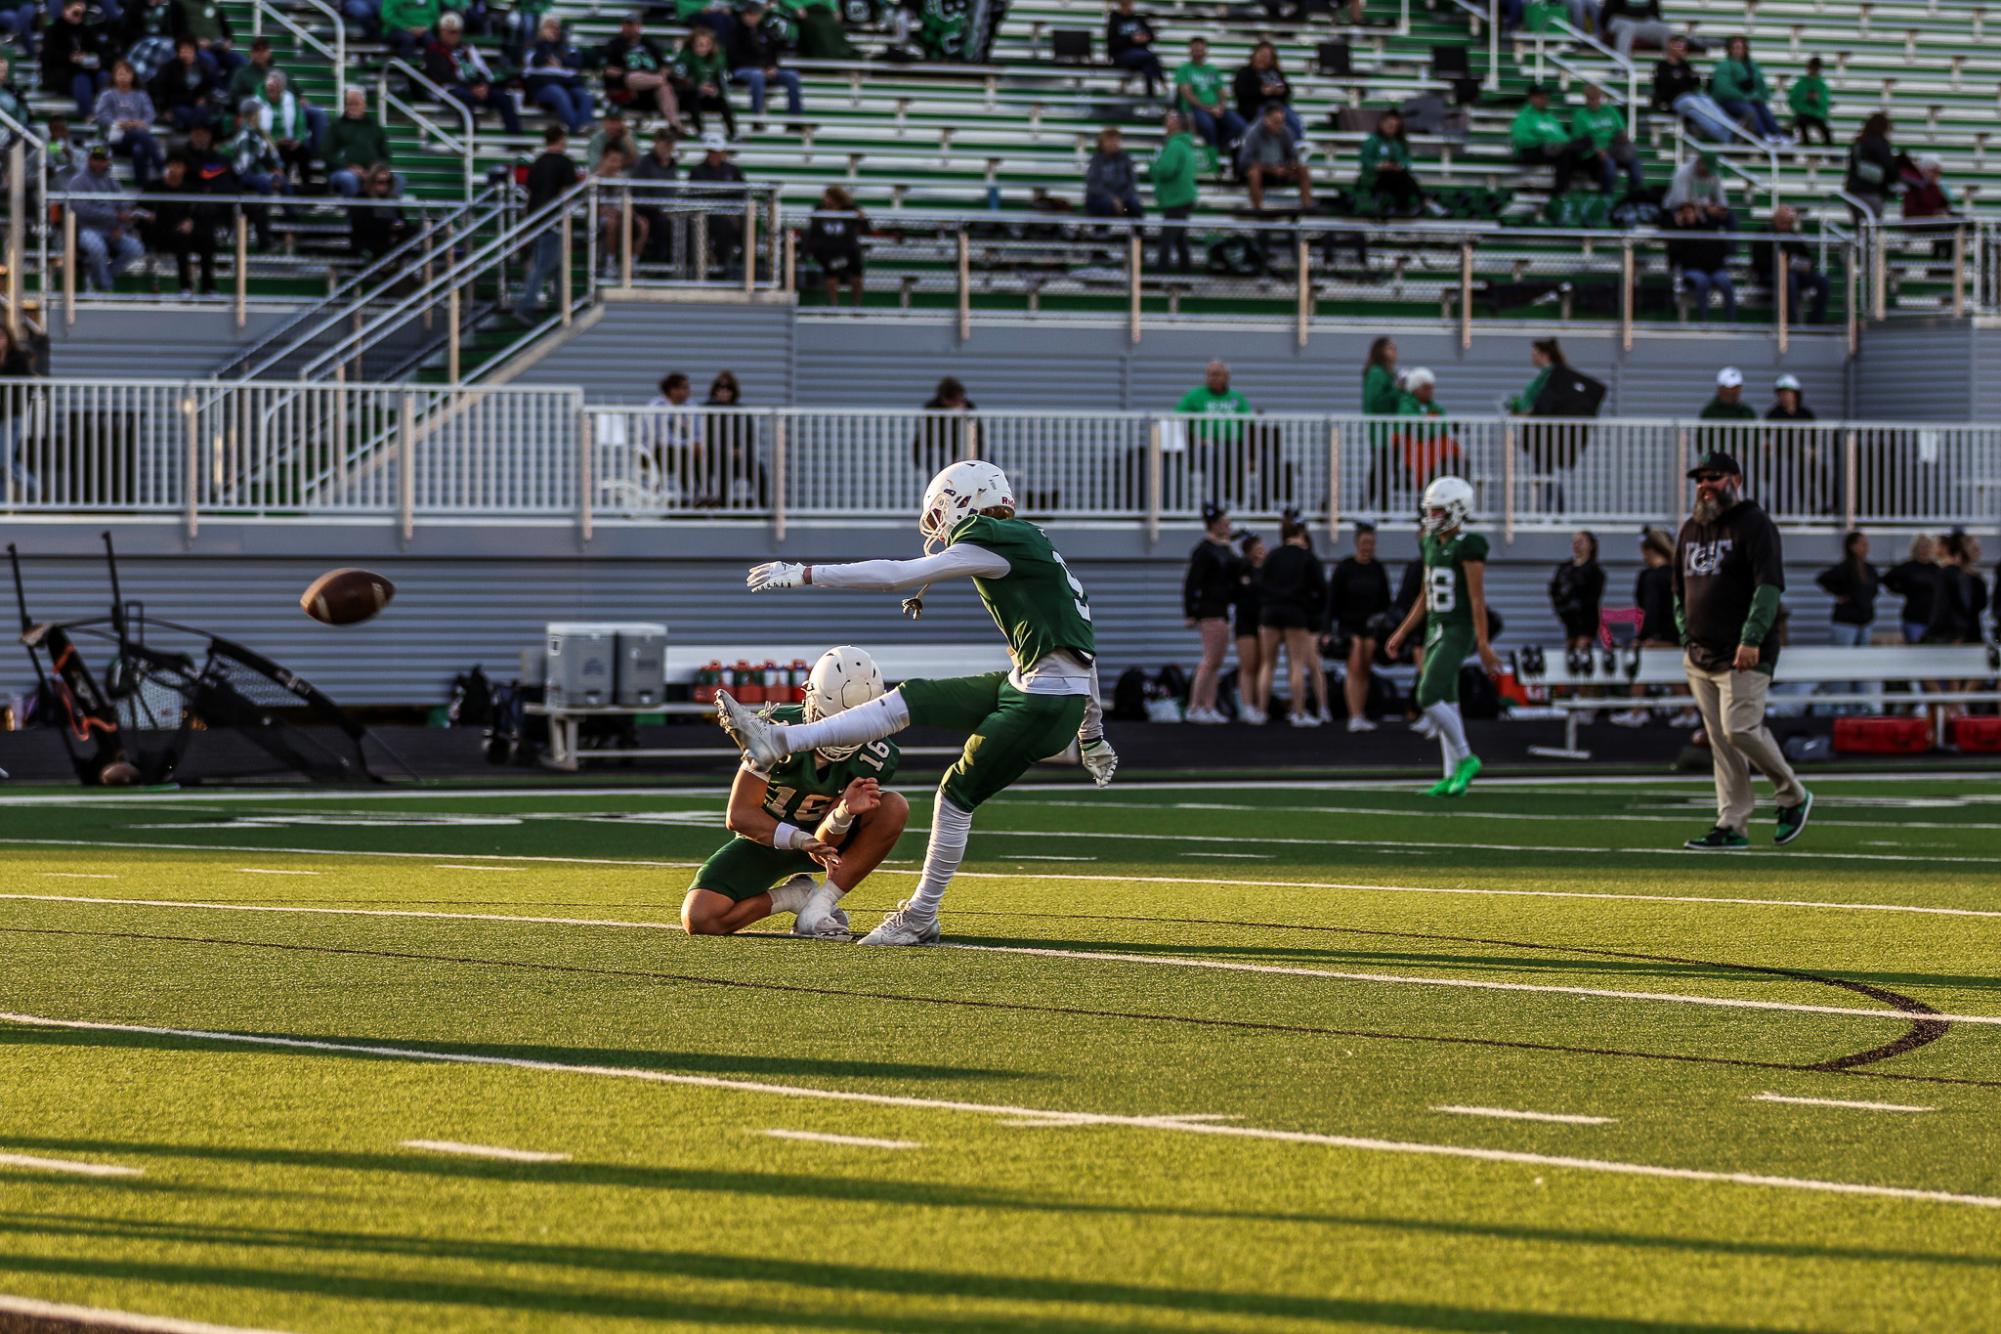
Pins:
x,y
1728,579
1359,592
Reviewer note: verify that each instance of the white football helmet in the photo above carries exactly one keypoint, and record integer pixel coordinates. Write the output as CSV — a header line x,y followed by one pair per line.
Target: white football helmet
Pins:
x,y
1452,495
841,679
964,488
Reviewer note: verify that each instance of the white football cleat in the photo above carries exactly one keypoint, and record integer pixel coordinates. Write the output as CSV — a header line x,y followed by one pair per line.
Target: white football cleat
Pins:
x,y
756,737
904,927
1360,725
823,917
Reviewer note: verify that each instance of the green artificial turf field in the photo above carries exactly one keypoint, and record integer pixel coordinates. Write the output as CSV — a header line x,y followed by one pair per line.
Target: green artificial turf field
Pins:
x,y
1275,1056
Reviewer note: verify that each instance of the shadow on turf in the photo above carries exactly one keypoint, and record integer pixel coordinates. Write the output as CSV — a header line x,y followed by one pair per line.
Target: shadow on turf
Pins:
x,y
843,1281
726,1064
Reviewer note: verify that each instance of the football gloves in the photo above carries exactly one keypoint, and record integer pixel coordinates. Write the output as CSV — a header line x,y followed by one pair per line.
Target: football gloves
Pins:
x,y
775,574
913,607
1100,760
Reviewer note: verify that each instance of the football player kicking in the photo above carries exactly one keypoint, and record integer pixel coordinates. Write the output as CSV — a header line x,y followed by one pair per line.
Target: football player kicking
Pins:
x,y
1013,718
819,807
1454,610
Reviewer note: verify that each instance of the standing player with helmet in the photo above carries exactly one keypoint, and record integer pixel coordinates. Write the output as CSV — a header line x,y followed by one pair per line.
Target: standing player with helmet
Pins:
x,y
1454,611
1013,718
820,807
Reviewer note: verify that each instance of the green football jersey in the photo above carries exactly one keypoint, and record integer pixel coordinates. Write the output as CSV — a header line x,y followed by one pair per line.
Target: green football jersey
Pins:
x,y
1447,606
801,792
1038,605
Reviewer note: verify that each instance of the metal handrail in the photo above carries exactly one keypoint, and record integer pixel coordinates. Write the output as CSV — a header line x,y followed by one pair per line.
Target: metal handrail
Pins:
x,y
384,99
40,148
342,301
1682,141
338,56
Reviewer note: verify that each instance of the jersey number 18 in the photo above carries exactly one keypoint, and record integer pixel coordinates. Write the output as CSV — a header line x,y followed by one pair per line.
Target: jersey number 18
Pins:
x,y
1440,595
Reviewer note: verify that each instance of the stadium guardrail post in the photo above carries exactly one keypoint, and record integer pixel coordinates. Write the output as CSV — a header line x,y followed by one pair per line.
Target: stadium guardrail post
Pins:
x,y
1626,276
1493,45
242,267
1302,257
965,278
1334,481
69,268
1677,484
452,320
1781,282
1958,272
625,244
778,443
1153,482
406,466
17,203
191,484
772,227
1465,294
1508,481
428,271
701,246
1850,474
1853,300
1133,283
791,262
749,247
586,446
566,286
1879,274
340,424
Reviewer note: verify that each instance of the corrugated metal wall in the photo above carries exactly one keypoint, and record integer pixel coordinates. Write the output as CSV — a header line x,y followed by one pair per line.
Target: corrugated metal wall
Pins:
x,y
152,343
622,358
1921,372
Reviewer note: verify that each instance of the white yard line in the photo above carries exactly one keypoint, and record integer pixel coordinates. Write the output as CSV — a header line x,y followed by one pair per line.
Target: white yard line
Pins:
x,y
69,1166
848,1141
77,875
485,1151
1459,813
1505,1114
454,866
1842,1102
1175,1125
264,870
639,864
1089,956
123,1322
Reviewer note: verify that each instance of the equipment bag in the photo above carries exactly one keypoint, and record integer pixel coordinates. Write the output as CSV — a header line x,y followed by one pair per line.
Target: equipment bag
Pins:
x,y
1882,736
1975,735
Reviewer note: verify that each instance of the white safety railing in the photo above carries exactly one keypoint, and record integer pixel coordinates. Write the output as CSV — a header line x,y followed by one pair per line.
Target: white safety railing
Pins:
x,y
507,454
336,55
460,144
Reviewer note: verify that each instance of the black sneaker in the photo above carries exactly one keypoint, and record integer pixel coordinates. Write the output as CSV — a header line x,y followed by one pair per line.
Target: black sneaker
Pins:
x,y
1792,821
1719,839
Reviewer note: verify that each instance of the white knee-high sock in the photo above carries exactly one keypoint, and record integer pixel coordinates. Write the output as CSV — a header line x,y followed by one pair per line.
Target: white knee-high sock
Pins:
x,y
951,827
872,721
1451,732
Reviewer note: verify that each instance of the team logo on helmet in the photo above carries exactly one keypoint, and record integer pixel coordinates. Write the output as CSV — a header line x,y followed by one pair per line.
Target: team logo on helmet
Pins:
x,y
965,488
843,678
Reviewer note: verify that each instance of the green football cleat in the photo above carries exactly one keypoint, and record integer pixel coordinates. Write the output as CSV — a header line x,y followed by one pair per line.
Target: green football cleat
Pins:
x,y
1442,788
1792,821
1462,777
1718,839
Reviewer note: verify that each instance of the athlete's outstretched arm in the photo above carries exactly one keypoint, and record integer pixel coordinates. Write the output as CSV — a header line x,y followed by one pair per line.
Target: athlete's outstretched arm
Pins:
x,y
1099,759
887,576
1476,595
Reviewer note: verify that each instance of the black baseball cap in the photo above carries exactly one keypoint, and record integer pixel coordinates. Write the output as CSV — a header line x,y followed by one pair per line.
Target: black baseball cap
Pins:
x,y
1716,461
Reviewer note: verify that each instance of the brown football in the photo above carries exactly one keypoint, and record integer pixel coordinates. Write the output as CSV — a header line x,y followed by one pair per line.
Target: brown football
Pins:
x,y
346,597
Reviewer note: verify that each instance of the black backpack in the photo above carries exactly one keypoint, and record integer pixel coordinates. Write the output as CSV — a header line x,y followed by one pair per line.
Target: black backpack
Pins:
x,y
1478,697
1129,696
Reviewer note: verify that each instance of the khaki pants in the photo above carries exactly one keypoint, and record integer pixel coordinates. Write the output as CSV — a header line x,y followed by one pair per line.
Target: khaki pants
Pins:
x,y
1732,705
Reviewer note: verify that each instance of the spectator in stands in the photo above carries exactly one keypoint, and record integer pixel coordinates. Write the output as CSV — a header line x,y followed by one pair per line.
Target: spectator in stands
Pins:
x,y
701,80
1852,583
406,24
550,177
1962,592
1787,258
1214,396
463,73
1873,165
289,123
1653,596
1199,87
659,165
124,116
381,227
1384,168
1699,181
1811,104
1792,462
1739,86
1577,592
1129,42
208,25
18,20
105,244
11,100
635,71
1604,129
1728,405
1244,615
943,440
1382,393
248,79
355,143
1788,401
1357,595
1678,88
725,224
819,25
552,77
1111,181
1270,155
364,17
208,166
754,54
186,92
1925,195
1626,23
1699,248
613,161
612,132
1426,450
1541,139
73,56
1174,173
672,433
1916,581
1207,592
1292,606
259,169
1260,83
834,244
179,224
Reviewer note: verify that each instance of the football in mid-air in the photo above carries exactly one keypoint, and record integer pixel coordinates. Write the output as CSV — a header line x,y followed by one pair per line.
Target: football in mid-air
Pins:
x,y
346,597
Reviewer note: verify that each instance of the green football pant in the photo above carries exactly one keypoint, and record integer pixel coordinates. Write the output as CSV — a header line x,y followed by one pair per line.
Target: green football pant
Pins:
x,y
1010,730
1444,654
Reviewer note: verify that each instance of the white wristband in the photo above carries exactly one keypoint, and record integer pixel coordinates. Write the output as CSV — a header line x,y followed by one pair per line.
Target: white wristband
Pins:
x,y
837,823
789,837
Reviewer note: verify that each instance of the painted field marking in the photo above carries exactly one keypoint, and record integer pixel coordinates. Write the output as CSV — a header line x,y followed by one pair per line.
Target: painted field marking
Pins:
x,y
1232,856
647,864
1458,814
1842,1102
1076,1120
261,870
67,1165
485,1151
1047,857
77,875
1505,1114
453,866
124,1322
1356,1143
1090,956
848,1141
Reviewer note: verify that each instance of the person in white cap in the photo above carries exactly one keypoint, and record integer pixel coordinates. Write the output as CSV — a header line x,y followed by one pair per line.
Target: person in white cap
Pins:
x,y
726,217
1796,470
1729,404
1789,401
